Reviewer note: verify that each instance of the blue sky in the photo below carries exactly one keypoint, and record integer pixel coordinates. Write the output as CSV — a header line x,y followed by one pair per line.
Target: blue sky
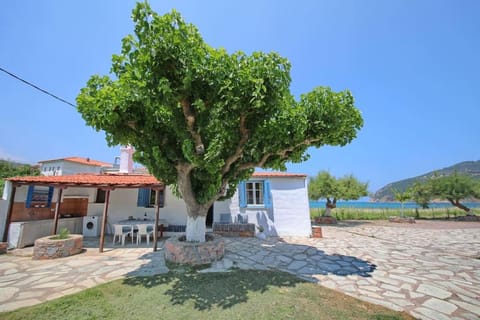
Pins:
x,y
413,67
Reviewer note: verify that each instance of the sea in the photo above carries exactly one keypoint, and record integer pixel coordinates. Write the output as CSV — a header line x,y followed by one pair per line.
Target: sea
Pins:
x,y
389,205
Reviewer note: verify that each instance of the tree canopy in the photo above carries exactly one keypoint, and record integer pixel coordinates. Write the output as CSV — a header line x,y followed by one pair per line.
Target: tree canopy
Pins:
x,y
10,169
453,188
326,186
202,119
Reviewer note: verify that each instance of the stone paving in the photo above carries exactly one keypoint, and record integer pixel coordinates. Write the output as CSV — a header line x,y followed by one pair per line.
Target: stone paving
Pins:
x,y
430,269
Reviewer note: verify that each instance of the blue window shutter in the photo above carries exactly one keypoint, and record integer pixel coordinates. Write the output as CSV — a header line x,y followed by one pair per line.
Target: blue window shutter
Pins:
x,y
143,197
242,194
28,203
267,200
50,196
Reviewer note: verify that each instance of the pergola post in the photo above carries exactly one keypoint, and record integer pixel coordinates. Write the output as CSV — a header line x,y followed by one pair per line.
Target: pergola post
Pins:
x,y
157,214
104,220
9,212
57,211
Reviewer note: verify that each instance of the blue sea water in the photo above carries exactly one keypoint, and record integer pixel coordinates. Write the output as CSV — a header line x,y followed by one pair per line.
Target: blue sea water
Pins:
x,y
388,205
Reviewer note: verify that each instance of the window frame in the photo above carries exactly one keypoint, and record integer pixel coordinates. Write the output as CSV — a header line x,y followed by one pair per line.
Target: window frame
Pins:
x,y
260,189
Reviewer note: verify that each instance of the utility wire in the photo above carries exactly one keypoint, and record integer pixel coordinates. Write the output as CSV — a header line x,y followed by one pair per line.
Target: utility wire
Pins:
x,y
38,88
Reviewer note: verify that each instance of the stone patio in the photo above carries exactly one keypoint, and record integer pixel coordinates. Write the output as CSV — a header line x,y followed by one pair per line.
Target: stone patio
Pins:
x,y
430,269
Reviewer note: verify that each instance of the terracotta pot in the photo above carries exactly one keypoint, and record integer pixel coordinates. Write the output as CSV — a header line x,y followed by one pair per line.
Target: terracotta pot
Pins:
x,y
317,232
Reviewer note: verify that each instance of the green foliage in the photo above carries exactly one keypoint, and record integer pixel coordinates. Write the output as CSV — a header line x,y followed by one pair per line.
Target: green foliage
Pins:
x,y
326,186
454,188
63,234
402,196
421,193
202,119
9,169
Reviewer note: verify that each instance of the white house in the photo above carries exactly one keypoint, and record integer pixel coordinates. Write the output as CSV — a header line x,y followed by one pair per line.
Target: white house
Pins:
x,y
274,200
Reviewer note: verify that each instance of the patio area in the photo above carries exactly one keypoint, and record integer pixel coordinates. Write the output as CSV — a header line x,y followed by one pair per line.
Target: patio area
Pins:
x,y
430,269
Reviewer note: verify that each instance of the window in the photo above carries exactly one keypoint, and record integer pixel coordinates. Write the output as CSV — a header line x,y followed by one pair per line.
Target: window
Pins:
x,y
39,196
146,198
254,194
100,196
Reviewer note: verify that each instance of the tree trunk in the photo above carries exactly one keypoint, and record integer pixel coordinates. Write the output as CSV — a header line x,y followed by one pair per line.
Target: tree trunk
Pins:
x,y
457,204
196,229
196,212
329,206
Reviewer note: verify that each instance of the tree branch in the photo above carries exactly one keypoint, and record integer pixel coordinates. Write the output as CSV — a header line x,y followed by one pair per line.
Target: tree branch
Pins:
x,y
238,152
190,119
282,153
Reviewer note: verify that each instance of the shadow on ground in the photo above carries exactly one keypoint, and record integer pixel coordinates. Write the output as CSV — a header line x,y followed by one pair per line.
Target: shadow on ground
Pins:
x,y
207,290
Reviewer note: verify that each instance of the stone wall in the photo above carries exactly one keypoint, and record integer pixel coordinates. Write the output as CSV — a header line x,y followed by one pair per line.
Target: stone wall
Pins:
x,y
178,250
234,229
47,248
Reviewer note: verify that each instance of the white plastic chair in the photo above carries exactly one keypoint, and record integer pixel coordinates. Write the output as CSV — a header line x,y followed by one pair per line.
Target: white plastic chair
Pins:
x,y
143,230
121,231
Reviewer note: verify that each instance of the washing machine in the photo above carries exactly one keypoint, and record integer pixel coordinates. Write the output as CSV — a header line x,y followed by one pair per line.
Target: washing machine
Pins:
x,y
91,226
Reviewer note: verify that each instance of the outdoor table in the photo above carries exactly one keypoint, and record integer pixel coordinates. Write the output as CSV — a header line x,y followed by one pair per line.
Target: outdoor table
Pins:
x,y
162,223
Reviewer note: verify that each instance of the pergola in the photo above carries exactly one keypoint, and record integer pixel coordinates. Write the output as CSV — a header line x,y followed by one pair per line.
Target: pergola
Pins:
x,y
107,182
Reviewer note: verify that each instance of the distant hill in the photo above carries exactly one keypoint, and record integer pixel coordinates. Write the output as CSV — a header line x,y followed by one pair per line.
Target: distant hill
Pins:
x,y
11,169
471,168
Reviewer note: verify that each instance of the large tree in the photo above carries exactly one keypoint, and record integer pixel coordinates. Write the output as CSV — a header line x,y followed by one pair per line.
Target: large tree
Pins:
x,y
202,119
326,186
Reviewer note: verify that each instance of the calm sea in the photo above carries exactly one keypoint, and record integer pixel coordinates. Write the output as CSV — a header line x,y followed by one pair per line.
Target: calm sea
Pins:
x,y
388,205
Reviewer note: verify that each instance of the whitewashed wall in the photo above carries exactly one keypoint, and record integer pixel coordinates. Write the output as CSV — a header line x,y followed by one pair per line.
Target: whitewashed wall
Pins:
x,y
289,215
62,167
3,216
123,203
290,212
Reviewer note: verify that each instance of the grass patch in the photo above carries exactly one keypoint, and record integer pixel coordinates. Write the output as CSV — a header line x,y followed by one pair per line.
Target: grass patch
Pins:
x,y
238,294
383,214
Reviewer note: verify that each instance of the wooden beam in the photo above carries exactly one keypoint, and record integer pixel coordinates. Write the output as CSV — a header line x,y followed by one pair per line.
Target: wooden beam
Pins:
x,y
57,210
104,220
157,214
9,212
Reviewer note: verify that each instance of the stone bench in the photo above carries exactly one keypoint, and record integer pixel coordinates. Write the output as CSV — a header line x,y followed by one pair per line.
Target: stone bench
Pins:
x,y
234,229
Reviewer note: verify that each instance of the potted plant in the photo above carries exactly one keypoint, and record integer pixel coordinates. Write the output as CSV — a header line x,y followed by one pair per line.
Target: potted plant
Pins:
x,y
260,234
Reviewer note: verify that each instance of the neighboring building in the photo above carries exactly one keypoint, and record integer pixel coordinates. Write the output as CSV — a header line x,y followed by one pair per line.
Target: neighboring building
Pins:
x,y
275,200
71,165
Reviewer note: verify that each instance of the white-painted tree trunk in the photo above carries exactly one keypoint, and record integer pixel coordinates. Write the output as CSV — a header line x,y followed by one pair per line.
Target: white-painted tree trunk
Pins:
x,y
328,212
196,229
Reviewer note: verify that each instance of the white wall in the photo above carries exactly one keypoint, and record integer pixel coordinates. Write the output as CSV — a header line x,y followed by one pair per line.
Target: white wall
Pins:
x,y
62,167
3,216
289,215
123,203
290,212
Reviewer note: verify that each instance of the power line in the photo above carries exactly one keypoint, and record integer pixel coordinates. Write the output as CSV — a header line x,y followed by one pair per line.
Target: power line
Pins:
x,y
38,88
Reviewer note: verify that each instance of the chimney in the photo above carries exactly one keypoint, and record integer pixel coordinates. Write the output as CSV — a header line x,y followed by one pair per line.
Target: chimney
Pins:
x,y
126,159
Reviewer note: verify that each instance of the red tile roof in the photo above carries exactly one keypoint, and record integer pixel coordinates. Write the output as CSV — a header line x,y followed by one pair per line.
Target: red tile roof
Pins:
x,y
80,160
118,180
91,180
278,175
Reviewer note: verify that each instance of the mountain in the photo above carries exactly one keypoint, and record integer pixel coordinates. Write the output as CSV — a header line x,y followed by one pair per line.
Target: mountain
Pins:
x,y
471,168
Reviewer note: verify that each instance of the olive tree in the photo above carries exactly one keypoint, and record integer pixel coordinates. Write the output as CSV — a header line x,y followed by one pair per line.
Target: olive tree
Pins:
x,y
455,188
326,186
201,119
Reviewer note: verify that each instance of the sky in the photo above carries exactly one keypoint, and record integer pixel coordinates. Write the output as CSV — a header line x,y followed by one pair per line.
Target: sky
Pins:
x,y
413,67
